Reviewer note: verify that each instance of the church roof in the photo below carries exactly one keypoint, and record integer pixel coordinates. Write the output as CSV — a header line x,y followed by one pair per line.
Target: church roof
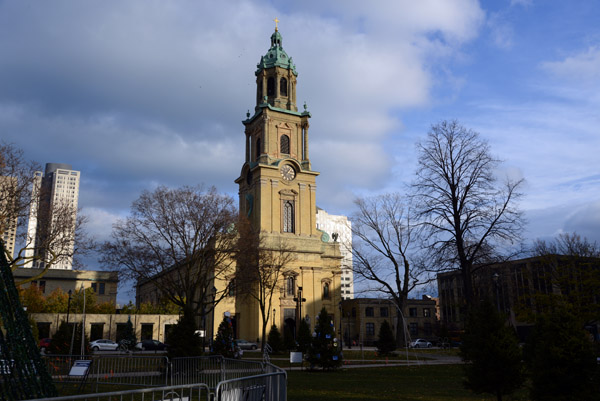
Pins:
x,y
276,56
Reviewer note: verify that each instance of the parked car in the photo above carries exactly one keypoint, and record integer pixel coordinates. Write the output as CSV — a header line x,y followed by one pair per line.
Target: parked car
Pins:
x,y
103,345
151,345
243,344
44,344
420,343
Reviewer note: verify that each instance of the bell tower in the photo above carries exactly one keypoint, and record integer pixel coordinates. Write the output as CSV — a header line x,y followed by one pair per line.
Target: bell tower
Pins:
x,y
277,185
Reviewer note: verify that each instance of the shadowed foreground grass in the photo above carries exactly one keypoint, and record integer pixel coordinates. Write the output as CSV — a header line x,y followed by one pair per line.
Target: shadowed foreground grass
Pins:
x,y
423,383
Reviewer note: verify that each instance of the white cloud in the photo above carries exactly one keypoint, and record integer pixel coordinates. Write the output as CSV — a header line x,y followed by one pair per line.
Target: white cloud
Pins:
x,y
581,67
153,92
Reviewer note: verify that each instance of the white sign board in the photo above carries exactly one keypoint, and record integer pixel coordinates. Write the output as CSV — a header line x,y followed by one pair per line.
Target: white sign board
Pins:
x,y
80,367
295,357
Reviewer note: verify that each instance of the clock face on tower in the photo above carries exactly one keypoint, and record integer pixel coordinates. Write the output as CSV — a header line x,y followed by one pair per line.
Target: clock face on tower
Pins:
x,y
287,172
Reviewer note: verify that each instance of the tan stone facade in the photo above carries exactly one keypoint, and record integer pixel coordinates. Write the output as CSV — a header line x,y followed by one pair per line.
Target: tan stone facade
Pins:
x,y
277,192
108,325
104,283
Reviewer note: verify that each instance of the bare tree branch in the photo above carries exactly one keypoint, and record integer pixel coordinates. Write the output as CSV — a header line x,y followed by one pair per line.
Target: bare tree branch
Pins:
x,y
384,249
262,260
468,218
60,233
180,241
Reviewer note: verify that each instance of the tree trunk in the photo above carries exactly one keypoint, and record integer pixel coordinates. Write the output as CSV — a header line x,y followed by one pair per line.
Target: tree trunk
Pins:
x,y
400,337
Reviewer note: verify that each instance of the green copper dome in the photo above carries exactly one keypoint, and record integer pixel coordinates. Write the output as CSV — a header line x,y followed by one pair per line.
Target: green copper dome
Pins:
x,y
276,56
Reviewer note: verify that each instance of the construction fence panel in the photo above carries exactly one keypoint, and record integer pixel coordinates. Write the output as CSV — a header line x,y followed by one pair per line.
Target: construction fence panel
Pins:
x,y
266,387
119,369
200,369
190,392
128,370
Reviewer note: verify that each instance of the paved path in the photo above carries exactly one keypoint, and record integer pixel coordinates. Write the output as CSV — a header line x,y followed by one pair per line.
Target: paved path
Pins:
x,y
431,359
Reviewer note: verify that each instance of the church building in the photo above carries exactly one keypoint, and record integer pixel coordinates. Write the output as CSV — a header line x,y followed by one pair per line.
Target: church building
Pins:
x,y
277,193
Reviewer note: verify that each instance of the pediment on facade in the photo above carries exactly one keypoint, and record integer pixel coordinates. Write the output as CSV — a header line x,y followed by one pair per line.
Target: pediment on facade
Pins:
x,y
288,192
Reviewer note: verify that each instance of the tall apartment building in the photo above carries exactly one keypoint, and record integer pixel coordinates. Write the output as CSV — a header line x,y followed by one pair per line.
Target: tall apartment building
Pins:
x,y
59,186
8,223
339,229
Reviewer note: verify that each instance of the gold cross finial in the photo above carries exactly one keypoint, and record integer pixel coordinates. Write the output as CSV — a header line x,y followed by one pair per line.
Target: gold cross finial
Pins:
x,y
276,21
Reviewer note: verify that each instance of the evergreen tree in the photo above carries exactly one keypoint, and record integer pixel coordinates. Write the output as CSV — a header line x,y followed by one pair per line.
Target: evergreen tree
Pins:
x,y
274,339
223,344
304,337
491,352
324,350
61,341
289,343
128,335
183,340
386,342
560,358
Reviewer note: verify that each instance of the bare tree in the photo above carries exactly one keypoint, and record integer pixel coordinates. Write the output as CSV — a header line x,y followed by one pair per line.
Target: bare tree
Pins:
x,y
261,263
467,214
60,232
178,242
384,250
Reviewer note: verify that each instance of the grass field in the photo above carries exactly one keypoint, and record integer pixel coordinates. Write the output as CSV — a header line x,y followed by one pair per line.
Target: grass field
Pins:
x,y
423,383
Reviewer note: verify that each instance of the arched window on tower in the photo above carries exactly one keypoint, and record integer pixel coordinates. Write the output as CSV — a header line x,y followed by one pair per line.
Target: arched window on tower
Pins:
x,y
326,290
258,149
271,86
283,87
284,144
288,216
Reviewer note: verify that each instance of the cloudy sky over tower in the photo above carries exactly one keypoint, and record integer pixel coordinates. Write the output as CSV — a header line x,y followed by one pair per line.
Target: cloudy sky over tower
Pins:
x,y
136,94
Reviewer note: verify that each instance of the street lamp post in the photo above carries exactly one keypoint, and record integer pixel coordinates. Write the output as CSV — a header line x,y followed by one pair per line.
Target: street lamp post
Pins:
x,y
212,297
69,306
299,301
349,339
340,333
495,278
274,314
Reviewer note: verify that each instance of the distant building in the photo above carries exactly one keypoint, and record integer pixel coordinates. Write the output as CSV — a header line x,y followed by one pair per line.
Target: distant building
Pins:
x,y
59,185
513,286
104,283
362,319
339,229
109,326
8,225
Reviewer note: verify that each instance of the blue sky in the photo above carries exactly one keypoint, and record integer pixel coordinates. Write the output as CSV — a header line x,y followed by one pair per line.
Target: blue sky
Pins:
x,y
141,93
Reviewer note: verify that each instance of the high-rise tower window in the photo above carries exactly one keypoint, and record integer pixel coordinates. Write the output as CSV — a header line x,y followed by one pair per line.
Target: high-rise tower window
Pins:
x,y
283,87
271,86
285,144
288,216
258,150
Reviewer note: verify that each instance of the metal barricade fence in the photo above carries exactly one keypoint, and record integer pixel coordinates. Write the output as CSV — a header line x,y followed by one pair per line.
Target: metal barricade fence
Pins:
x,y
235,368
190,392
201,369
59,366
266,387
229,379
151,371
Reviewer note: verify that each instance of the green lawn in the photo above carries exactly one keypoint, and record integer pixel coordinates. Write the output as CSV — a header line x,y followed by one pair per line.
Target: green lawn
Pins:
x,y
423,383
